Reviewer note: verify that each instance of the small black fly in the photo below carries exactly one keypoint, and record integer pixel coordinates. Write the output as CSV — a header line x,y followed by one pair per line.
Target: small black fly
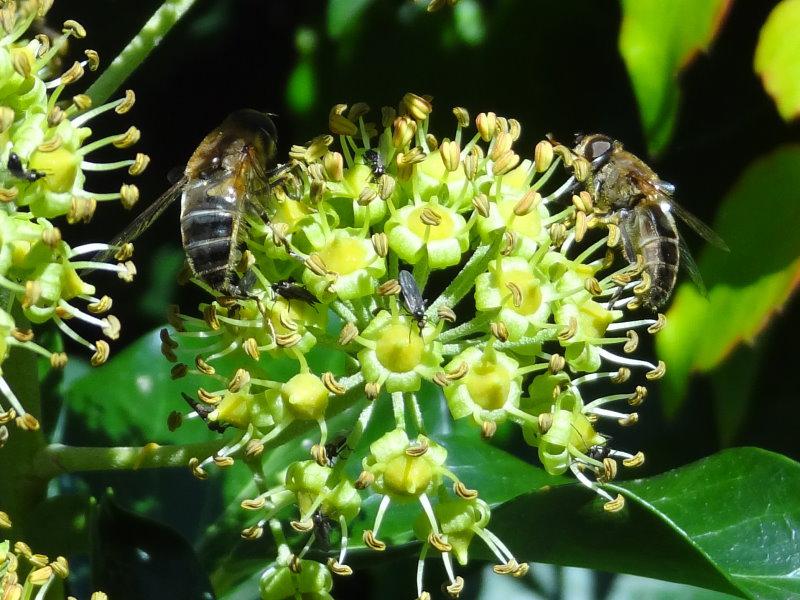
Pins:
x,y
336,447
203,410
374,161
323,525
17,170
290,290
412,298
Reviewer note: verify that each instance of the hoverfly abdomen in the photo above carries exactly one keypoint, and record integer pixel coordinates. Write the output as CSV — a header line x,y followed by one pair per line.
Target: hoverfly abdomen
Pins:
x,y
209,224
651,232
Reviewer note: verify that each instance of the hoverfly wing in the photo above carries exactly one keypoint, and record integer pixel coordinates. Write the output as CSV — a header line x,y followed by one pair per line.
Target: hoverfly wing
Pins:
x,y
690,266
700,228
143,221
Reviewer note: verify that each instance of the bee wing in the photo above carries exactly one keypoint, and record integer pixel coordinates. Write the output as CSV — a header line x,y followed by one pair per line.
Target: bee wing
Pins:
x,y
700,228
143,221
690,266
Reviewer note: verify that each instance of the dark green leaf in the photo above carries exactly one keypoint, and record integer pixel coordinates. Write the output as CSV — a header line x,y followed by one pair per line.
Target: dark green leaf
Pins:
x,y
747,285
657,40
777,59
728,522
344,16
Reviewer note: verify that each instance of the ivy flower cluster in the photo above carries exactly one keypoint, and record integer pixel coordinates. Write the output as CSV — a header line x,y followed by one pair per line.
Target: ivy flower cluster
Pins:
x,y
44,157
26,574
534,312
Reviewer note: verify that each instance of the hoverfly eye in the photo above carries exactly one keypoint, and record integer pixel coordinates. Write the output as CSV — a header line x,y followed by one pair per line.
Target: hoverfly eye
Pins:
x,y
597,149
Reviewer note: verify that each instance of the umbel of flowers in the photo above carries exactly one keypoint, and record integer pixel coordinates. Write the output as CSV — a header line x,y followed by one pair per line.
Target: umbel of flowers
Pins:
x,y
530,314
28,574
44,156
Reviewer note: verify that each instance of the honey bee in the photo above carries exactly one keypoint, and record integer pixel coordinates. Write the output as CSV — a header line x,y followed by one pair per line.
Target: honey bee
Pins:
x,y
225,178
622,184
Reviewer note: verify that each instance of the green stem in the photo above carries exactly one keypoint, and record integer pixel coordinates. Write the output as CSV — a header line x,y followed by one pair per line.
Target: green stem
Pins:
x,y
464,281
138,48
57,459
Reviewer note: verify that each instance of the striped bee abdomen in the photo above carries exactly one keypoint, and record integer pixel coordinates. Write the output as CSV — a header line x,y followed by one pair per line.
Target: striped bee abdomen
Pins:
x,y
657,242
209,224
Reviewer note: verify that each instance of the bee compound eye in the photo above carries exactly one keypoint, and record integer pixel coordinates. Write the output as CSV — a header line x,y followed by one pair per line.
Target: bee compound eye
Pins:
x,y
597,148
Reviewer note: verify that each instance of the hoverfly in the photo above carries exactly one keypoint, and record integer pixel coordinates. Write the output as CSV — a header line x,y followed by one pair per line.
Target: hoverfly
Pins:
x,y
222,181
624,185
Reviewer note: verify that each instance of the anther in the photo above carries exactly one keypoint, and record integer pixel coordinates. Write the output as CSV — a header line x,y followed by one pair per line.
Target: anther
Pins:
x,y
637,460
661,320
658,372
372,390
339,124
629,420
592,286
239,380
481,204
445,313
556,364
390,287
615,505
337,569
366,196
455,588
506,163
570,331
638,396
223,461
487,125
334,166
623,374
581,168
581,226
251,533
364,480
73,28
27,422
545,422
459,372
462,116
196,469
174,420
441,379
253,449
464,492
178,371
437,541
632,343
372,542
332,385
499,330
418,107
488,429
348,333
543,156
100,356
419,449
58,360
530,200
316,265
516,293
451,154
103,305
202,366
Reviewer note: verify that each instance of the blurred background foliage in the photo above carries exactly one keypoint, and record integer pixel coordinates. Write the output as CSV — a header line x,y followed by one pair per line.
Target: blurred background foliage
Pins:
x,y
674,80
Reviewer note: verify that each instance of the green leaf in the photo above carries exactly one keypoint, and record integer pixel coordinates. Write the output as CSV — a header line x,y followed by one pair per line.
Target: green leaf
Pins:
x,y
344,16
129,398
657,40
777,59
746,286
727,522
301,89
